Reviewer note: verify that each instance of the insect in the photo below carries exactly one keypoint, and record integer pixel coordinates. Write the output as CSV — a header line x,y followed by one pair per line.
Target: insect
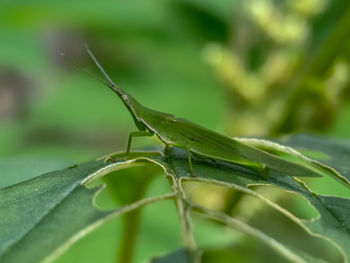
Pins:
x,y
197,140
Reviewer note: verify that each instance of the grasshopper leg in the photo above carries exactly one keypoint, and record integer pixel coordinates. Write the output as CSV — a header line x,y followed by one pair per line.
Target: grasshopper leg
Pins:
x,y
190,162
107,159
136,134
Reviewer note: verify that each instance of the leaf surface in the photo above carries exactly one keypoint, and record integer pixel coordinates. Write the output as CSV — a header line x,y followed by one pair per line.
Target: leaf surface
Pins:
x,y
332,223
43,216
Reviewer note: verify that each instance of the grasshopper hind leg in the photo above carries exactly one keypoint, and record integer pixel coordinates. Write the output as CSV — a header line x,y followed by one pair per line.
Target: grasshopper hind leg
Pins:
x,y
264,172
190,162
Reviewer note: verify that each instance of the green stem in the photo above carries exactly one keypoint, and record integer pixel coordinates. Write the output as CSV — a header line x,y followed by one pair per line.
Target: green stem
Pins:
x,y
131,226
131,221
186,226
183,209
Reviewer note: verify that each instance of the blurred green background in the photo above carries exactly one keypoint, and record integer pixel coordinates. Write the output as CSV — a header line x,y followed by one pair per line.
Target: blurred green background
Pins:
x,y
243,68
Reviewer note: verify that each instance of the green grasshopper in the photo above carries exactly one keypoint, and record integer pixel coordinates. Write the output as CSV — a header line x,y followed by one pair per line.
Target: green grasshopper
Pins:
x,y
200,141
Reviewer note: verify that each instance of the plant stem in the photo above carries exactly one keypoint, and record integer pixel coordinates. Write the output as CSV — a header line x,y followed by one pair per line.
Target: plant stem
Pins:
x,y
186,226
131,225
183,210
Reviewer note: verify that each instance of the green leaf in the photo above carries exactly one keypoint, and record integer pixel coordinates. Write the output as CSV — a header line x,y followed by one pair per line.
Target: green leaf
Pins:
x,y
289,253
332,224
36,198
291,153
43,216
334,153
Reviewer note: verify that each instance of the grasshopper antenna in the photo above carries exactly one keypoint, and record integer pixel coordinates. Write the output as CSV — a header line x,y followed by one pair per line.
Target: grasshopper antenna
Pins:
x,y
112,85
74,63
122,95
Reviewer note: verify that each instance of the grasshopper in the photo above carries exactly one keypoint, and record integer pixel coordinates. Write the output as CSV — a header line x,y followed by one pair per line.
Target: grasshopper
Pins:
x,y
197,140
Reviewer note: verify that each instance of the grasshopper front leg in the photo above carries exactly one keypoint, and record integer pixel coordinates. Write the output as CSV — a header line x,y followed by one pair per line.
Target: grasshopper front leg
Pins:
x,y
132,134
137,134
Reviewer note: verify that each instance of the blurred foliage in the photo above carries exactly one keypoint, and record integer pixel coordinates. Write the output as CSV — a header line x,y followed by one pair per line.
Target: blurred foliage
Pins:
x,y
286,68
255,67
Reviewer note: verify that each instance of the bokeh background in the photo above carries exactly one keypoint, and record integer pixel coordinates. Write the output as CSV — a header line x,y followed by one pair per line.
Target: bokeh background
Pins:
x,y
243,68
